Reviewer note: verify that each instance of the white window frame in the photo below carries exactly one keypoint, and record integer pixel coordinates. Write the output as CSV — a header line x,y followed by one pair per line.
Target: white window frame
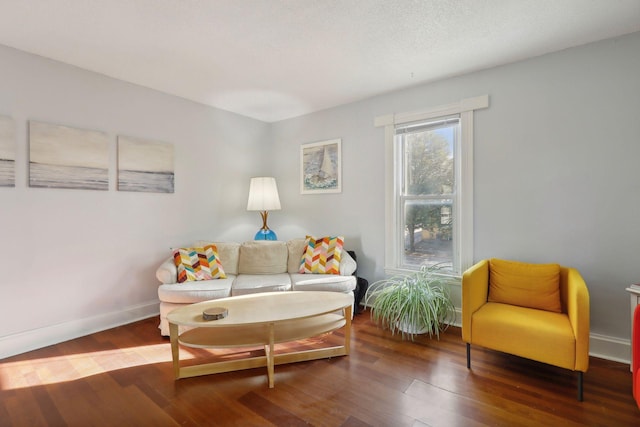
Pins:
x,y
464,177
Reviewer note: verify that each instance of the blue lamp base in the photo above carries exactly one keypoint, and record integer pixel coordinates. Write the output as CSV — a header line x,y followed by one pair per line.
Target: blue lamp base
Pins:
x,y
265,234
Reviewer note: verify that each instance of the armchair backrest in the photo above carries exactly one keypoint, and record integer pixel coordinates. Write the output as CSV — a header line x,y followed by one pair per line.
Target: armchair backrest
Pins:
x,y
564,287
525,284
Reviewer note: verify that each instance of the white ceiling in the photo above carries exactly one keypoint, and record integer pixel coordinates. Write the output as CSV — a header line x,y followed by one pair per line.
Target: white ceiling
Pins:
x,y
276,59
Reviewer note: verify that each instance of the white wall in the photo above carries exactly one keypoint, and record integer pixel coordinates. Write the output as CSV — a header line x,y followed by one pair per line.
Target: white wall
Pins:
x,y
74,261
555,181
556,171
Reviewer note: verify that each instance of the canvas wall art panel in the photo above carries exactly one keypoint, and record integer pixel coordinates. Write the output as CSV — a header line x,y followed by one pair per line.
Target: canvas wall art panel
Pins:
x,y
321,167
145,165
66,157
7,152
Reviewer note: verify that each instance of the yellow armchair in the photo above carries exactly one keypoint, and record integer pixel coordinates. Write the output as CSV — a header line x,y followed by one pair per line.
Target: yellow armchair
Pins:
x,y
536,311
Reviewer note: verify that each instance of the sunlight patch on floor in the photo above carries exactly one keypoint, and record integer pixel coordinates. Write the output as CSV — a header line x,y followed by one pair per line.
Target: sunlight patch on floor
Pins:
x,y
51,370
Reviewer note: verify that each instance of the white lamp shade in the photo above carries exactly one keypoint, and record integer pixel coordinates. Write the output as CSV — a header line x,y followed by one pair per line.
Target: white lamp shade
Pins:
x,y
263,194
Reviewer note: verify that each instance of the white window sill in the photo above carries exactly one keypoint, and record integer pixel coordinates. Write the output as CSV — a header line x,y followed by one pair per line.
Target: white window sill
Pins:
x,y
452,279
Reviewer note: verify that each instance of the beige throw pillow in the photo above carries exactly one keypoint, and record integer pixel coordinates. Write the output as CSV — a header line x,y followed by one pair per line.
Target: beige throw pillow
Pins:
x,y
263,257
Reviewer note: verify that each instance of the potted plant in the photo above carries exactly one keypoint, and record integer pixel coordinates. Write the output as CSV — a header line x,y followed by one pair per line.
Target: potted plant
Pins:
x,y
412,304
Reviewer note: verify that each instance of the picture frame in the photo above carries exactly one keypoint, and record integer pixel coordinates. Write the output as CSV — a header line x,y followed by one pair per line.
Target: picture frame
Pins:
x,y
7,152
321,167
145,165
67,157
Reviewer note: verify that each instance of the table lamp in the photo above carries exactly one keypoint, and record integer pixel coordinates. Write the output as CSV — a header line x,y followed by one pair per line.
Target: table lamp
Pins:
x,y
263,197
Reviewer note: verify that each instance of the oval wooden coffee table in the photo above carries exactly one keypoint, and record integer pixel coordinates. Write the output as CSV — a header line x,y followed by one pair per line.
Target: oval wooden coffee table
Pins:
x,y
261,319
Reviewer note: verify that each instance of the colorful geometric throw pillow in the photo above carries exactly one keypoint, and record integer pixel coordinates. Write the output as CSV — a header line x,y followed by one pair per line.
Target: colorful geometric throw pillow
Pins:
x,y
198,264
322,255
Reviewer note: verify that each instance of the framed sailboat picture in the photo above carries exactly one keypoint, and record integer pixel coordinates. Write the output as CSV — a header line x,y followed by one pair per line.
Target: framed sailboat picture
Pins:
x,y
321,167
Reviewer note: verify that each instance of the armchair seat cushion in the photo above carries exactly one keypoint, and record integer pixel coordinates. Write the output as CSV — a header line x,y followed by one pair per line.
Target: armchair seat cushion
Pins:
x,y
507,328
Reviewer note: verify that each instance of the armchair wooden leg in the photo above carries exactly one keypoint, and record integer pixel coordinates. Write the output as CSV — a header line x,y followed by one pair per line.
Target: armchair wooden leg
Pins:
x,y
580,385
468,356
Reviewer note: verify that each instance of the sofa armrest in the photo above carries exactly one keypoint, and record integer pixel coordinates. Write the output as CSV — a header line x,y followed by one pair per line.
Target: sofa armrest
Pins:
x,y
578,312
347,264
167,273
475,289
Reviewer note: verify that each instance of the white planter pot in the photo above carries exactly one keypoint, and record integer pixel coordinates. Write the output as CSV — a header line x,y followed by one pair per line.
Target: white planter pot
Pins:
x,y
411,328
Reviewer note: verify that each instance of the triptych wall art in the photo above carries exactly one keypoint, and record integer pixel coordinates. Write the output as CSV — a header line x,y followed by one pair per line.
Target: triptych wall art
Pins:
x,y
7,152
72,158
65,157
145,165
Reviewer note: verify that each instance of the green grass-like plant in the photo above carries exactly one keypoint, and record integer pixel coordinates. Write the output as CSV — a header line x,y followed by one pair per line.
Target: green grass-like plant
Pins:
x,y
412,304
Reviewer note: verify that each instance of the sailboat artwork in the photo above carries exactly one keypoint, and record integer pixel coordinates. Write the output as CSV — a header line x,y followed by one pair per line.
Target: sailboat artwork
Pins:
x,y
321,167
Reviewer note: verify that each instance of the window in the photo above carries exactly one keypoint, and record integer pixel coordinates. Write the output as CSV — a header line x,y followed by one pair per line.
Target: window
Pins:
x,y
425,191
429,187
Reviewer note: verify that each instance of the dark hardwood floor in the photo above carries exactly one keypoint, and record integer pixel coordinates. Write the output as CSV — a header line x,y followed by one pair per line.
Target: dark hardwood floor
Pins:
x,y
124,377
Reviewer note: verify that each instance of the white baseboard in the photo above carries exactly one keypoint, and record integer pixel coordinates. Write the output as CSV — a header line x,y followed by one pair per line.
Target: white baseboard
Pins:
x,y
22,342
610,348
601,346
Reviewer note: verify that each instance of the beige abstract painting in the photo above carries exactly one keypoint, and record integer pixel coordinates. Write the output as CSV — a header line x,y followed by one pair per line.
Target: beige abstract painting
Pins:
x,y
145,165
7,152
66,157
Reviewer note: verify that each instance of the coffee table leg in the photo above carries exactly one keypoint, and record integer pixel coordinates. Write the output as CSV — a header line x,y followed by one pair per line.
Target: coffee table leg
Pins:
x,y
347,329
175,350
270,356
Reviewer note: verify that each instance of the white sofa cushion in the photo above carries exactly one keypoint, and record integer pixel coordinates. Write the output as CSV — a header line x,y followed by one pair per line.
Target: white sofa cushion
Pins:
x,y
190,292
322,282
263,257
255,283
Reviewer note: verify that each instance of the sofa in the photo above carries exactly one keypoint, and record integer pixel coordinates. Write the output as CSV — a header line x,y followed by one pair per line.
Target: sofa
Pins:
x,y
536,311
255,266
